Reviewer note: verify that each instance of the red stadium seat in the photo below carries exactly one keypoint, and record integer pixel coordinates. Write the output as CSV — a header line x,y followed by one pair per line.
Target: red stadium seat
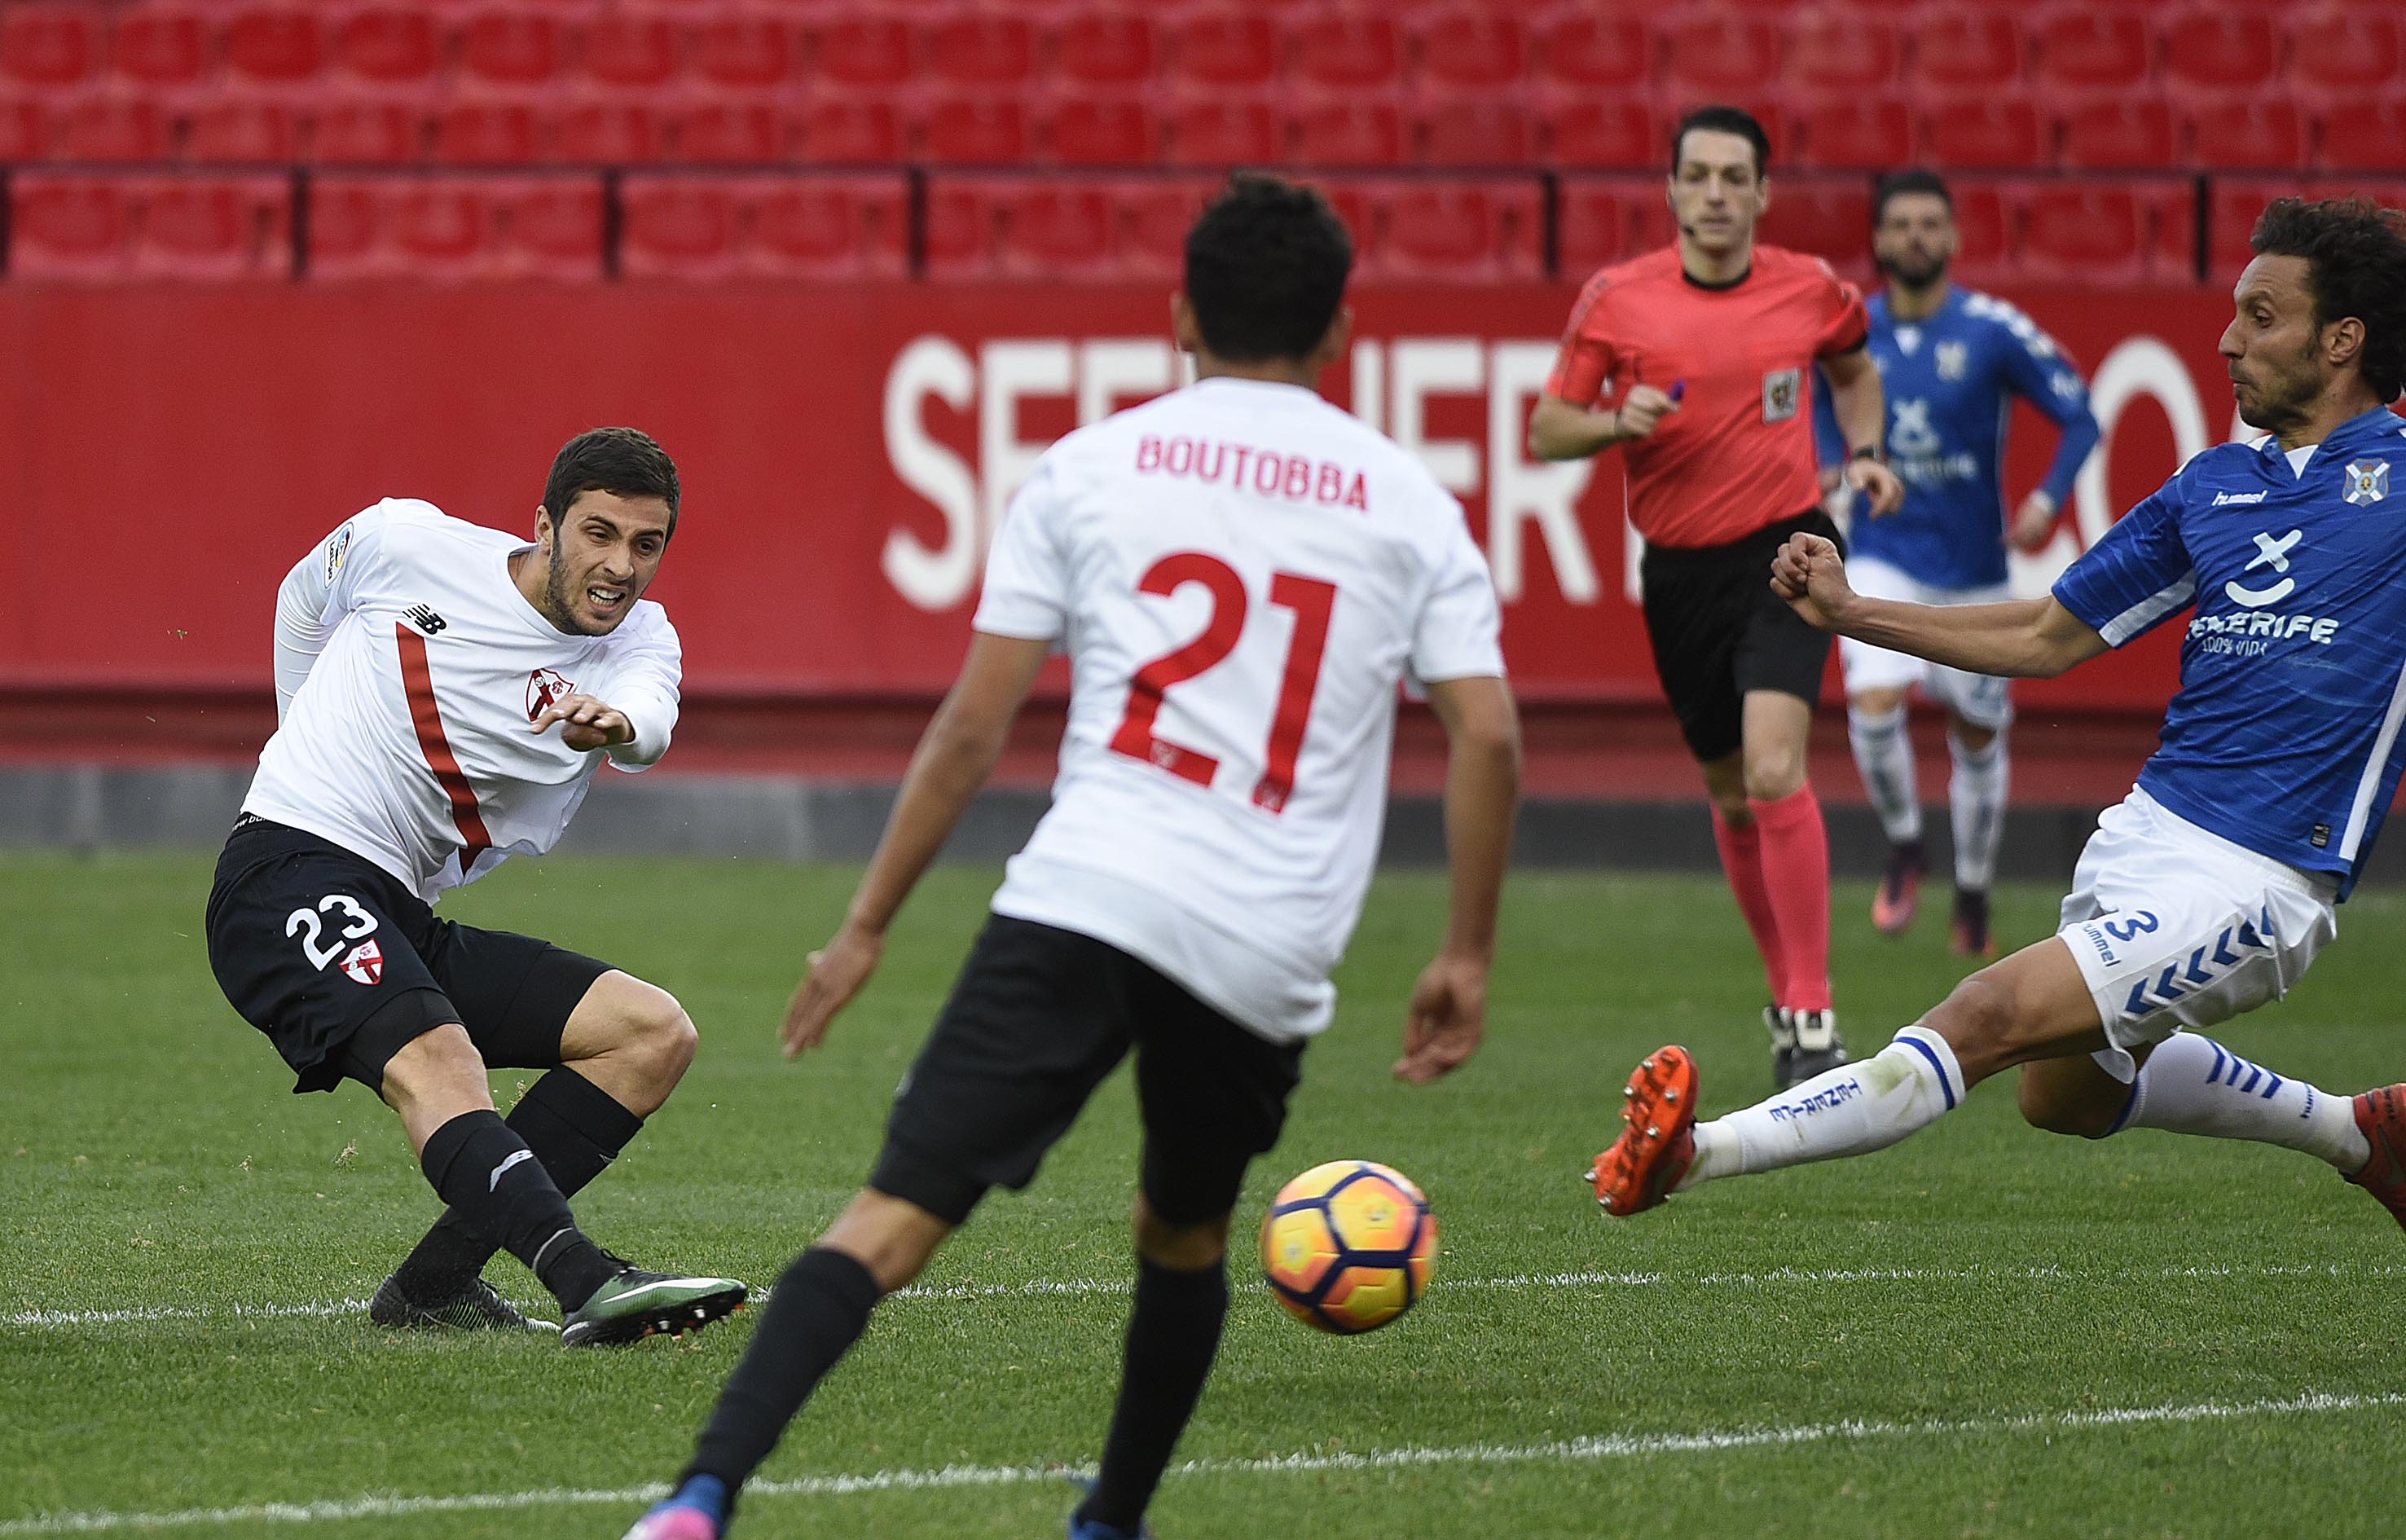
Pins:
x,y
1985,242
1357,210
1981,134
1473,132
109,128
1712,54
1346,52
1471,50
388,50
280,47
744,53
159,50
1962,48
1620,133
1087,131
2118,134
1223,49
1222,132
489,133
2248,133
607,133
1839,53
455,228
976,131
1103,49
551,228
22,133
212,228
1346,132
2362,136
1155,217
1867,133
1462,231
981,48
69,227
2219,50
850,132
2083,47
962,233
826,228
49,47
628,48
2085,232
1832,220
1585,51
1602,222
1057,230
367,134
511,48
864,52
729,133
241,130
2343,51
677,227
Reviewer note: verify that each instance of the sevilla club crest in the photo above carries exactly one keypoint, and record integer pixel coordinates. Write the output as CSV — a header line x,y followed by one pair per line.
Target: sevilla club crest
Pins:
x,y
364,963
544,686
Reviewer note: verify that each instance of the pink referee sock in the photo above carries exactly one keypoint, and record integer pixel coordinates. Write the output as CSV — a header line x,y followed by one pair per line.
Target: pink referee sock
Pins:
x,y
1796,877
1741,851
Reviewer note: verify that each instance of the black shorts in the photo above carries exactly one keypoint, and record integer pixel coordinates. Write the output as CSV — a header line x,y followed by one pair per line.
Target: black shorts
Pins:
x,y
342,965
1719,631
1037,1018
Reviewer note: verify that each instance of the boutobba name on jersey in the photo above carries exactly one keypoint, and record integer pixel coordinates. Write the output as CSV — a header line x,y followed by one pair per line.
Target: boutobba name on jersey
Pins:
x,y
1241,574
409,670
2285,735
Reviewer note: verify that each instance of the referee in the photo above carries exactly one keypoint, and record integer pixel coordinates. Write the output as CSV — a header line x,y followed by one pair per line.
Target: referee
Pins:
x,y
1699,359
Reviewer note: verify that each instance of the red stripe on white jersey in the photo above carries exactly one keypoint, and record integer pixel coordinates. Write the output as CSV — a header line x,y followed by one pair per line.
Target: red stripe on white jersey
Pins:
x,y
418,681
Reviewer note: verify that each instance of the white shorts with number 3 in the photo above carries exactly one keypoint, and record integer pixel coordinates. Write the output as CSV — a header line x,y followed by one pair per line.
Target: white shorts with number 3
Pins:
x,y
2175,928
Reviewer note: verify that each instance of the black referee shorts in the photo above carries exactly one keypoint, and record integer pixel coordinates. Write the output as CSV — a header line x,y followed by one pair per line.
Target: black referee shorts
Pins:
x,y
342,965
1719,631
1037,1019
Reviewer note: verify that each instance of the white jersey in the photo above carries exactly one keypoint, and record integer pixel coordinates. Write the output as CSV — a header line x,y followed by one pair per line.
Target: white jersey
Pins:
x,y
1241,574
408,672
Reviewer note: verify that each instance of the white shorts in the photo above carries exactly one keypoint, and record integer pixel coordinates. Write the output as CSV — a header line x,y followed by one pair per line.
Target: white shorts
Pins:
x,y
2176,927
1981,699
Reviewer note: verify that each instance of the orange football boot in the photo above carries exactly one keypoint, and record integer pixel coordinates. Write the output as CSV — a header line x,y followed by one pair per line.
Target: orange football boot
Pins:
x,y
1658,1136
2381,1115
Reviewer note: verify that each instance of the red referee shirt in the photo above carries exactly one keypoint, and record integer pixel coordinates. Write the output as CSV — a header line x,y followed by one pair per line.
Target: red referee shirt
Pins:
x,y
1738,453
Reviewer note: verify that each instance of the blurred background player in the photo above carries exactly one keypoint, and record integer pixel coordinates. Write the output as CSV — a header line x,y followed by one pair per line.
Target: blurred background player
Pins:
x,y
422,665
1241,573
2211,887
1705,352
1949,361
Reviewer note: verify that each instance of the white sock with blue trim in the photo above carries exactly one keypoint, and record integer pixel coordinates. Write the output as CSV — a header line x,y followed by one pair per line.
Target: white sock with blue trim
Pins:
x,y
2191,1084
1884,758
1976,795
1851,1110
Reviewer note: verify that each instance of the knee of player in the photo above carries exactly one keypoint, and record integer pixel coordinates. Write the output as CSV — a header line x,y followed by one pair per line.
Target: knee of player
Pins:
x,y
656,1026
2051,1112
1773,773
1977,1020
1181,1247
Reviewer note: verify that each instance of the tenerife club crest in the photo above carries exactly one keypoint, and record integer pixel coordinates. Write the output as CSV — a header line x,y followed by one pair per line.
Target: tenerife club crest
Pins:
x,y
544,686
2367,481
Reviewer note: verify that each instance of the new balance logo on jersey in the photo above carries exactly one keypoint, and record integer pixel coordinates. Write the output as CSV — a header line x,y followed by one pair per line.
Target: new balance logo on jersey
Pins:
x,y
425,619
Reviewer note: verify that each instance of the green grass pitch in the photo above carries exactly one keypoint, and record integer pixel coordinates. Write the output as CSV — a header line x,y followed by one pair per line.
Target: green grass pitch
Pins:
x,y
1984,1332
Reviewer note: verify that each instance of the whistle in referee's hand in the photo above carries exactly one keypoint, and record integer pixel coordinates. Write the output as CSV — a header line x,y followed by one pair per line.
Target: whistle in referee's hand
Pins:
x,y
1679,391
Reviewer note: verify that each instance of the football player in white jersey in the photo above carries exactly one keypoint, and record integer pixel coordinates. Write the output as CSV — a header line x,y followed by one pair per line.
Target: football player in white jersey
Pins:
x,y
1241,574
445,695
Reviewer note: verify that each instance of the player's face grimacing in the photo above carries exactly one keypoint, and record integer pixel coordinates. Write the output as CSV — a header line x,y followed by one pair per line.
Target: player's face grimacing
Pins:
x,y
1915,239
2273,346
1717,191
597,559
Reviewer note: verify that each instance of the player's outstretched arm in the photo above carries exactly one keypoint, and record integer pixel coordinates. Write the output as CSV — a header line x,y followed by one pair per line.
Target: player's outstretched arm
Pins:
x,y
1482,792
955,755
2023,639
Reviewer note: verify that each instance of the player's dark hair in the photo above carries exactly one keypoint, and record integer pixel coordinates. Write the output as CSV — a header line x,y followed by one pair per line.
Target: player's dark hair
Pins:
x,y
1724,120
1896,184
622,461
2355,265
1265,268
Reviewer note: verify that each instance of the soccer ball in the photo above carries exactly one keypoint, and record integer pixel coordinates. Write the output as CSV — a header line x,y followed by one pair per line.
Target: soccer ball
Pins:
x,y
1349,1245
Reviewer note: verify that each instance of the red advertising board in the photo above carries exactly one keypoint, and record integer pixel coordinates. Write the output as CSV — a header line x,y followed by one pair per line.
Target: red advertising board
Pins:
x,y
845,451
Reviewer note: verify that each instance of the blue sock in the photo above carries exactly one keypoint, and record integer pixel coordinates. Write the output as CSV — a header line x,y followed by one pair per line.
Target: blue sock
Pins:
x,y
706,1493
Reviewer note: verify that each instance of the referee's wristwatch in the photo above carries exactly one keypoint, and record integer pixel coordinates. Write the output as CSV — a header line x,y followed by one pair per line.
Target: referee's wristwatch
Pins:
x,y
1871,452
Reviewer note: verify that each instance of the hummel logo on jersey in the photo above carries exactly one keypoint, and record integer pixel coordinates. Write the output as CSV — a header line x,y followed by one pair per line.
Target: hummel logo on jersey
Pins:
x,y
2367,481
425,619
2274,553
2225,499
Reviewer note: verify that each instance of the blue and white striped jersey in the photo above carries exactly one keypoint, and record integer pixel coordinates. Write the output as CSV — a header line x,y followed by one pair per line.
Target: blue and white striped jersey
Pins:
x,y
2283,735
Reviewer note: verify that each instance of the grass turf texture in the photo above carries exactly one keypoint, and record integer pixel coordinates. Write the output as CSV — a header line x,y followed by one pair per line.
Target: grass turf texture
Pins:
x,y
150,1157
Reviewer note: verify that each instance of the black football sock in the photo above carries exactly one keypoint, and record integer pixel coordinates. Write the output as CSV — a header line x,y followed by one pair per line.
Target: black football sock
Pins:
x,y
478,1164
575,1127
815,1315
1173,1334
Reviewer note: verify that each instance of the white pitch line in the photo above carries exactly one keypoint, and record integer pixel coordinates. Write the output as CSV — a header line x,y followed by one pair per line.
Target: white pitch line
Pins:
x,y
1597,1446
1091,1288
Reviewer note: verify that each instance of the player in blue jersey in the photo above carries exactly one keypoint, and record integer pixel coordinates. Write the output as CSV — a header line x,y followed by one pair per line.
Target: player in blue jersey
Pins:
x,y
2209,890
1950,360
